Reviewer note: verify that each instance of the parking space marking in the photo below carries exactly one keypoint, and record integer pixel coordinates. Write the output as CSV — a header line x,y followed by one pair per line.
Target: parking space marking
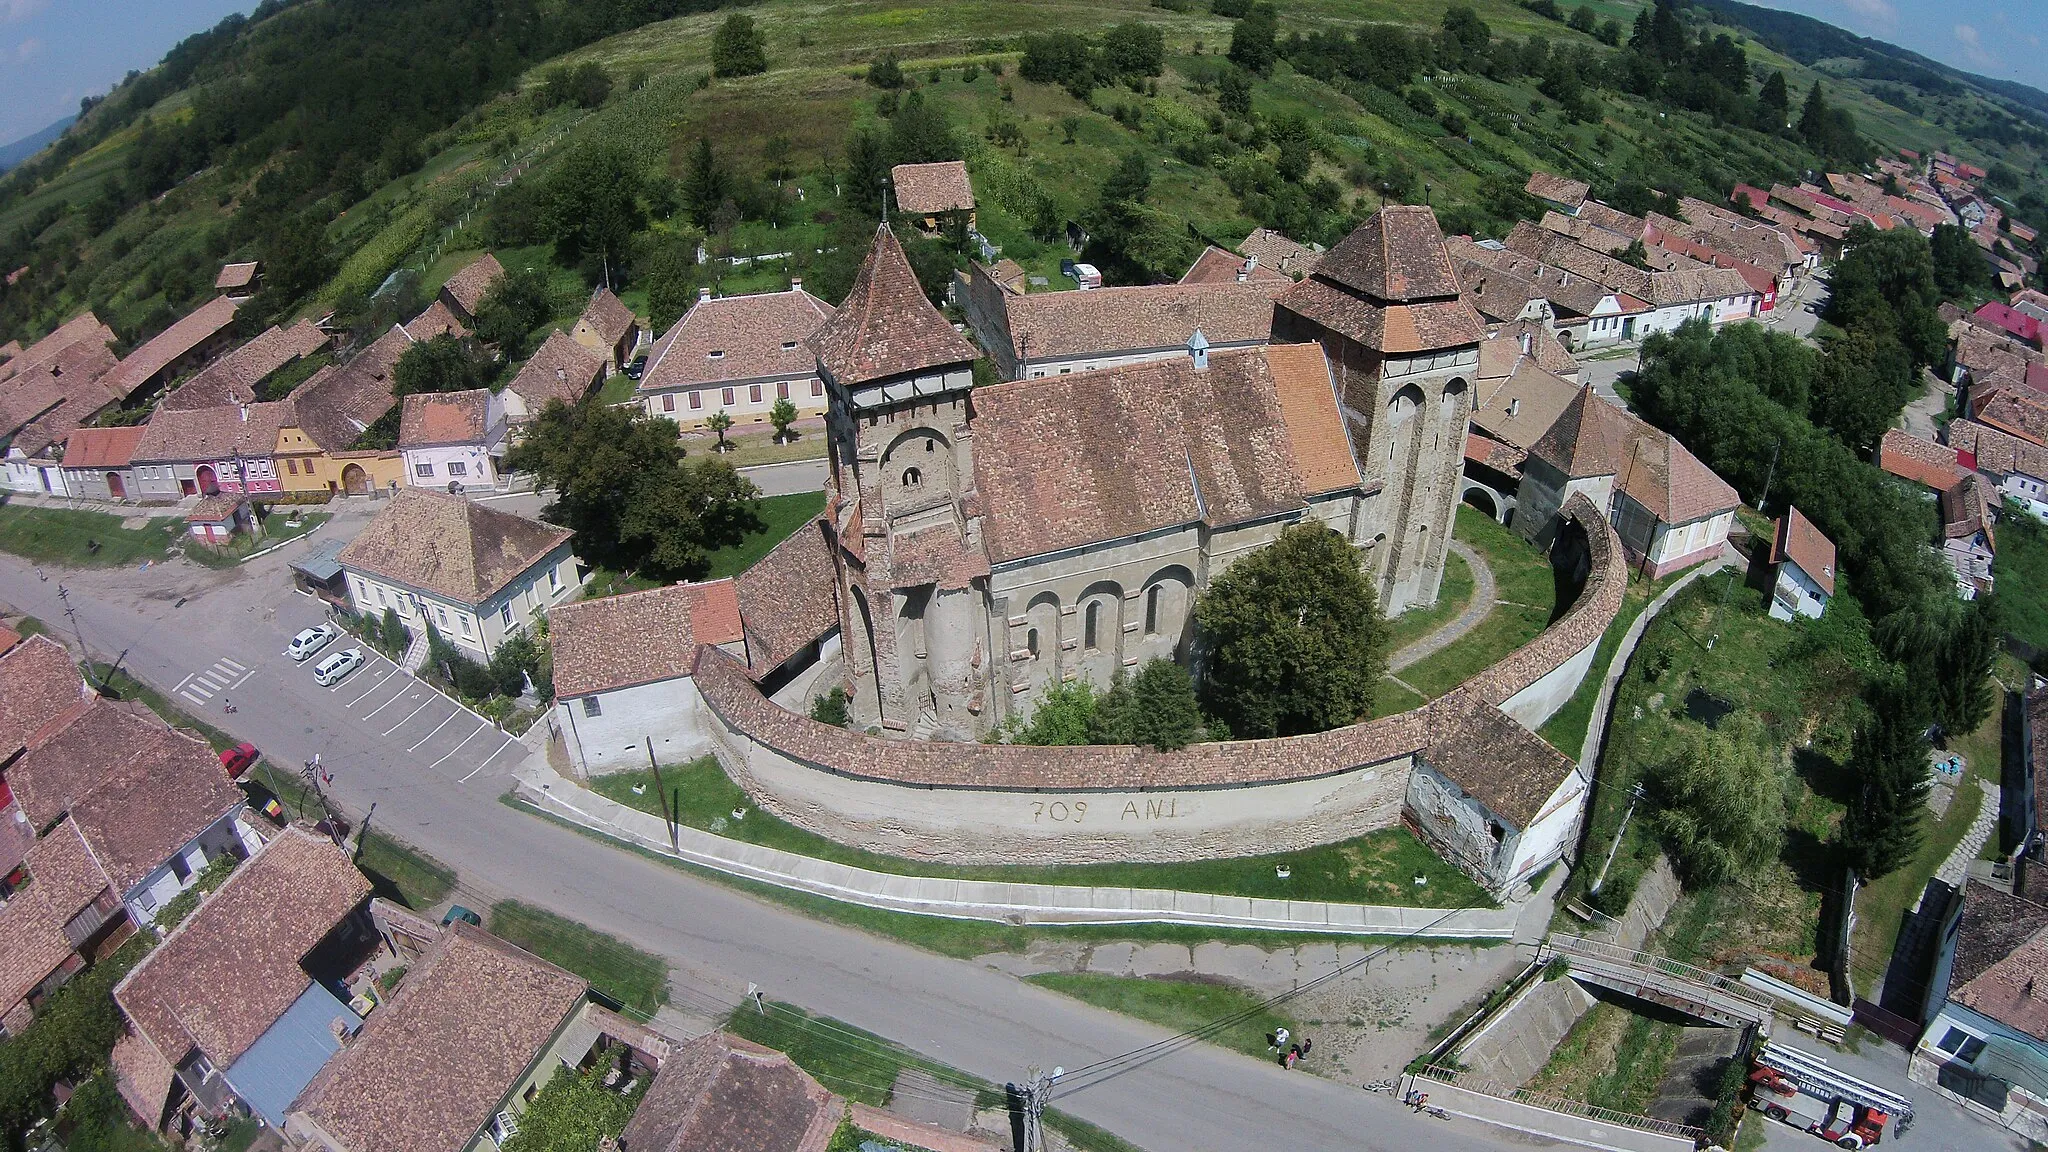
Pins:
x,y
437,728
408,716
387,704
373,687
509,741
197,686
466,739
232,664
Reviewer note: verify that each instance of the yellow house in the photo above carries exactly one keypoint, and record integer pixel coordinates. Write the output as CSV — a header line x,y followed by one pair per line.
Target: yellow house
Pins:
x,y
314,450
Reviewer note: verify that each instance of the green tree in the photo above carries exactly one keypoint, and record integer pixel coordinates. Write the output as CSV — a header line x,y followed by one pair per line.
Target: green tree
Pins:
x,y
1583,19
391,633
1773,104
1293,636
782,414
1946,647
622,485
1234,93
921,133
1252,38
574,1111
1888,758
1061,716
867,169
447,363
1163,712
706,184
1886,280
1134,49
591,204
1721,799
1465,36
69,1037
586,85
1959,265
719,422
885,72
1864,382
831,708
738,48
518,302
669,272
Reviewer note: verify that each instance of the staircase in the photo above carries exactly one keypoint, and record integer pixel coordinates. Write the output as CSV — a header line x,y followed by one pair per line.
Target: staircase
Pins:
x,y
927,724
415,657
1698,993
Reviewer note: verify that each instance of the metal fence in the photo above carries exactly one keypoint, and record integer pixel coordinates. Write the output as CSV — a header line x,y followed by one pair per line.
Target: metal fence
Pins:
x,y
1565,1105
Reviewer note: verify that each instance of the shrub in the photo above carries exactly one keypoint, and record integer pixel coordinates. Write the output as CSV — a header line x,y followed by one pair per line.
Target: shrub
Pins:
x,y
831,708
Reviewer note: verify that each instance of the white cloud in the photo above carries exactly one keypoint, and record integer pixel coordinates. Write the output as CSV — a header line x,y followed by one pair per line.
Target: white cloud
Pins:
x,y
1973,48
1880,11
28,49
12,10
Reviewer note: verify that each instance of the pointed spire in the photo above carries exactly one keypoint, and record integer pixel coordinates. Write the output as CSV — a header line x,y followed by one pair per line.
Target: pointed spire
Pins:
x,y
886,327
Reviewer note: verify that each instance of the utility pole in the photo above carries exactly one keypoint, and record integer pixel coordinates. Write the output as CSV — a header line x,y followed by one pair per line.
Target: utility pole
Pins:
x,y
1634,794
1770,474
1027,1101
71,614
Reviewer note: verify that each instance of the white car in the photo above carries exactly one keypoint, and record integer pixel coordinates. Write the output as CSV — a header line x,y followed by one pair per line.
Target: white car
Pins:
x,y
331,670
311,640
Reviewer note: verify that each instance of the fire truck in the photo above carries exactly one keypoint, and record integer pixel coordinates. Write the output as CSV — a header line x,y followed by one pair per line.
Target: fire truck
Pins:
x,y
1807,1092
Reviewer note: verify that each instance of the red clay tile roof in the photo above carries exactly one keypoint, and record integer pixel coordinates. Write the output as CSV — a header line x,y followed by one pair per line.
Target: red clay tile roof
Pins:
x,y
561,369
1799,541
1064,461
606,316
640,637
225,975
198,435
450,546
2016,411
63,880
429,1069
1966,509
1922,461
926,189
766,336
219,508
1396,256
137,789
1557,189
1996,451
789,597
437,319
1595,438
1315,429
437,418
719,1093
2001,962
8,639
468,286
1396,329
1517,408
236,275
1281,252
192,330
84,327
1216,266
1049,325
41,403
39,682
232,379
339,402
142,1077
886,327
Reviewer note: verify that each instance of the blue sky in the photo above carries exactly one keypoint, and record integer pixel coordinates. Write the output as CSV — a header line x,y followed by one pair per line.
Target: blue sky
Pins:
x,y
2002,39
52,52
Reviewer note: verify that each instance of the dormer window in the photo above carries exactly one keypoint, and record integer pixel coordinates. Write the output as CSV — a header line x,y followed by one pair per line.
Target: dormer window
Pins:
x,y
789,345
1514,406
716,354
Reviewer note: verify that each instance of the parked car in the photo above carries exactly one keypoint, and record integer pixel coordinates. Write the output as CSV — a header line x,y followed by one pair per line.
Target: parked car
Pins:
x,y
636,367
458,912
311,640
332,670
239,759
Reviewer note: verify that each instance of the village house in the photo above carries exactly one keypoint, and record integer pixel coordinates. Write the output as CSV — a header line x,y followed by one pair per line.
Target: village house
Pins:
x,y
464,292
1504,286
933,194
98,462
2018,467
453,440
499,1022
239,281
233,378
55,386
215,519
2017,411
1520,396
608,328
1687,290
1670,510
315,451
1216,266
196,338
237,1009
1558,193
477,574
205,451
560,369
1985,1045
1805,560
1059,333
1968,539
436,319
1923,462
738,355
622,672
1279,252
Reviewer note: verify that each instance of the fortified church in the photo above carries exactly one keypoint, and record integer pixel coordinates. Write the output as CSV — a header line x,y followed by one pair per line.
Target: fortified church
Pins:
x,y
991,541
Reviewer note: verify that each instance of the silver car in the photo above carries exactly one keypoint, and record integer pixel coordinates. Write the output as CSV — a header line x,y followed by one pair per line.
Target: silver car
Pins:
x,y
332,670
310,641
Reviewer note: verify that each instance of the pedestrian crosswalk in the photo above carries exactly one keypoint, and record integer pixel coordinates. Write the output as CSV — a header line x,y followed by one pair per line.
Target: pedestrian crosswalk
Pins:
x,y
206,686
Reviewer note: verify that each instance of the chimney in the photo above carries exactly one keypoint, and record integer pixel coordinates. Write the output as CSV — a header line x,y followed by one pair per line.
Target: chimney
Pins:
x,y
1245,273
1525,343
796,283
1198,350
703,294
245,413
562,374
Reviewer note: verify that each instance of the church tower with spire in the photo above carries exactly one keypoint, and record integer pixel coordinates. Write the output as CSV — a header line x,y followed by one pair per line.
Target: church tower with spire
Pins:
x,y
913,604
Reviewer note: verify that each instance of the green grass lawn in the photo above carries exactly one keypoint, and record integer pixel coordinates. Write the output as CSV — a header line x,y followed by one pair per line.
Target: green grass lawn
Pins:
x,y
1566,729
1179,1005
245,544
1416,623
618,389
780,516
1378,868
2021,572
1526,592
403,873
66,537
636,978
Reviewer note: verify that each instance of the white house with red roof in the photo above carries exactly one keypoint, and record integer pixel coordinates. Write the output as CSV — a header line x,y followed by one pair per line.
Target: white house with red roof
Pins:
x,y
623,668
1805,558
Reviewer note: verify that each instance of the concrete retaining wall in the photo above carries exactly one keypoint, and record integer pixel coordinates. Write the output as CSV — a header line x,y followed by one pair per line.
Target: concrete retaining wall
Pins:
x,y
1542,1122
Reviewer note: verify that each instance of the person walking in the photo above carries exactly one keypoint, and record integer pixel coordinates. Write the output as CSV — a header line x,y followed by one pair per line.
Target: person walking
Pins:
x,y
1306,1044
1279,1038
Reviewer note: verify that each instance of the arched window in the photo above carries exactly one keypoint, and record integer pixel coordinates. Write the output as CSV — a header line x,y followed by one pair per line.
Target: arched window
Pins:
x,y
931,446
1088,630
912,477
1152,610
1031,643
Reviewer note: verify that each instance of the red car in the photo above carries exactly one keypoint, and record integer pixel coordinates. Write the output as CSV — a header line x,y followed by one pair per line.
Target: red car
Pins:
x,y
239,759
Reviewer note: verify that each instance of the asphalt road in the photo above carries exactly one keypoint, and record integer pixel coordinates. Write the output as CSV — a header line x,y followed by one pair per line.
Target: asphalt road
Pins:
x,y
1795,315
401,771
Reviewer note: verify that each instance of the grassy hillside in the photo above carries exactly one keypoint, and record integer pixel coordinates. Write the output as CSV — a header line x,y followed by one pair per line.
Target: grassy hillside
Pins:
x,y
1456,138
